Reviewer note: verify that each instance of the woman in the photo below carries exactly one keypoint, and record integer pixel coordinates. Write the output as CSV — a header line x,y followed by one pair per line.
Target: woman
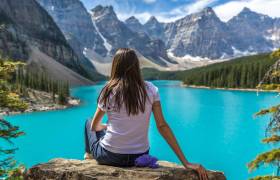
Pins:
x,y
128,102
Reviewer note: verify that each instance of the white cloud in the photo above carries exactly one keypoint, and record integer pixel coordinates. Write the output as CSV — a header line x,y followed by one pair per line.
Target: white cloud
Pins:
x,y
149,1
198,5
184,10
228,10
171,15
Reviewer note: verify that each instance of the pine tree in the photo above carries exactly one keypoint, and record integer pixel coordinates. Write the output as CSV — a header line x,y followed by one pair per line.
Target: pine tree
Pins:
x,y
11,100
271,157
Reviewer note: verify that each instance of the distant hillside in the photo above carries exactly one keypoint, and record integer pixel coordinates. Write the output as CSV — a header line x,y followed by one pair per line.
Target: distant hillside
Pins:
x,y
245,72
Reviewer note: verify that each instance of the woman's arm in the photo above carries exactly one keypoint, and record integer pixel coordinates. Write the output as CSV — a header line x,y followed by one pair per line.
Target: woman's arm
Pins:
x,y
168,135
96,121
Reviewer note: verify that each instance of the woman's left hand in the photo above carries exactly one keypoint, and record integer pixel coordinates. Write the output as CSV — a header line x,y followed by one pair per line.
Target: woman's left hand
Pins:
x,y
199,169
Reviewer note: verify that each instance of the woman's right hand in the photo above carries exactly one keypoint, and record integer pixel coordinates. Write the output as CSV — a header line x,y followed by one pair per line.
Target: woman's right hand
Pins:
x,y
199,169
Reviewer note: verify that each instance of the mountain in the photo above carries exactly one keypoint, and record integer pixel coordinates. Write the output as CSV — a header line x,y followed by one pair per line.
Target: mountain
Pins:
x,y
154,28
201,34
250,31
204,35
274,33
118,35
134,24
75,22
28,33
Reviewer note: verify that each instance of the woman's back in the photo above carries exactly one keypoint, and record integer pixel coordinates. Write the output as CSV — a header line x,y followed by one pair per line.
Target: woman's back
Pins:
x,y
128,134
128,101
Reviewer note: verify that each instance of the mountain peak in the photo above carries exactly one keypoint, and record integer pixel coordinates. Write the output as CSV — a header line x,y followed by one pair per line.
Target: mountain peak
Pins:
x,y
247,13
152,20
100,10
132,19
208,11
246,10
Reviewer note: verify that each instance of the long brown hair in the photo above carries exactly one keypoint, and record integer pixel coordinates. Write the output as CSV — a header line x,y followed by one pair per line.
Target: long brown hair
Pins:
x,y
126,83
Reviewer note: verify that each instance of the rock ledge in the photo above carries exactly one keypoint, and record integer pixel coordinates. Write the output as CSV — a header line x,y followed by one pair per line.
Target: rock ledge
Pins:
x,y
64,169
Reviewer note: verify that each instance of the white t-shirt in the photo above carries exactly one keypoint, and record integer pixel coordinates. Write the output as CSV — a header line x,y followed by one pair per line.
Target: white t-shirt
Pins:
x,y
128,134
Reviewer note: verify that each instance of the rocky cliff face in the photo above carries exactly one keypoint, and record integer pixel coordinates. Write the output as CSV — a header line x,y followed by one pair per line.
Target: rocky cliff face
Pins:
x,y
200,34
134,24
250,31
31,23
203,34
75,22
154,28
10,44
274,33
75,169
118,35
29,27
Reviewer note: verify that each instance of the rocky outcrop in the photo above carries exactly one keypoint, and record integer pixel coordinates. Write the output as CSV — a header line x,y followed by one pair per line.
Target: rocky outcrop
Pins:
x,y
89,170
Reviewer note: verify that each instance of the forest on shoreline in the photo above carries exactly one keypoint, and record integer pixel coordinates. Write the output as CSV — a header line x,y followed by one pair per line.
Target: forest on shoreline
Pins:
x,y
240,73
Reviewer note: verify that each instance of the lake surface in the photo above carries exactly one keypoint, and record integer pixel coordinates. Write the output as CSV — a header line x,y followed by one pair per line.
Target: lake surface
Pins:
x,y
214,127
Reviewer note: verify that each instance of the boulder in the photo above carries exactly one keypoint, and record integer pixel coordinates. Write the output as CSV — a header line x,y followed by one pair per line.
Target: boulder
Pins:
x,y
69,169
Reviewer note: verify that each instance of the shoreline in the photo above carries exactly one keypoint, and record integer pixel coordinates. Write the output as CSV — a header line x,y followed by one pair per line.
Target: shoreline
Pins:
x,y
228,89
72,102
42,108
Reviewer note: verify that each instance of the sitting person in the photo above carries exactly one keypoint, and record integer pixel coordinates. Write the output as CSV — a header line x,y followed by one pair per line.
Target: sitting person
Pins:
x,y
128,102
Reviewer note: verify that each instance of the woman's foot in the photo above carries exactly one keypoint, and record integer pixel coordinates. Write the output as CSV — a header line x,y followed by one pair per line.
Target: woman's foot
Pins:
x,y
88,156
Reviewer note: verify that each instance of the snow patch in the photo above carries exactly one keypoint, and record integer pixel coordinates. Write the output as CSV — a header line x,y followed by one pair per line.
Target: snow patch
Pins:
x,y
107,45
188,61
196,19
187,57
238,53
273,34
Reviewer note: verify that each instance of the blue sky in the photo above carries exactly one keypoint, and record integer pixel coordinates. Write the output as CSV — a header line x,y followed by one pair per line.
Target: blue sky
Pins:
x,y
170,10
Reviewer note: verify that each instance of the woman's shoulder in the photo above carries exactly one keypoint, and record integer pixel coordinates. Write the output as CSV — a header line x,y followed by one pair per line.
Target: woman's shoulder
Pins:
x,y
151,87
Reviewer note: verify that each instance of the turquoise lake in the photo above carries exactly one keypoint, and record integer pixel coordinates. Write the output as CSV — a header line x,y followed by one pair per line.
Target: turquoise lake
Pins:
x,y
214,127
